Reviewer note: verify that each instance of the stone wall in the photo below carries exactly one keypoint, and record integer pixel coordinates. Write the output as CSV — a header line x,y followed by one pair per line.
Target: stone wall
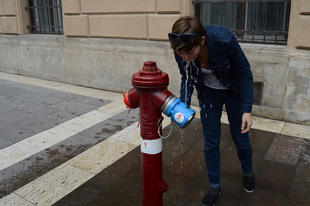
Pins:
x,y
135,19
299,28
109,63
14,18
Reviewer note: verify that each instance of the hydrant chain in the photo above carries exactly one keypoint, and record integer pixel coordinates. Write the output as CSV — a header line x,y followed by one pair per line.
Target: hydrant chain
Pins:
x,y
159,126
125,121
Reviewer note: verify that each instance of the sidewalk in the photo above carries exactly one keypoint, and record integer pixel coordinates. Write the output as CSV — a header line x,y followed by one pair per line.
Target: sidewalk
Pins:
x,y
68,145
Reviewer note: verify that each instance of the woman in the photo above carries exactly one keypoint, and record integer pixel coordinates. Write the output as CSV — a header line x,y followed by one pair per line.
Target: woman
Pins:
x,y
210,58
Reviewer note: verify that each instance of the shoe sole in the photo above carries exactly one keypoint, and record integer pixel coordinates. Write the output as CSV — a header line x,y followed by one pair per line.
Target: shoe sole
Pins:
x,y
248,191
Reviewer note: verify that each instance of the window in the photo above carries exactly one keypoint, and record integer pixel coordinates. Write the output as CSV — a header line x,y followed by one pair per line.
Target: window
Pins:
x,y
45,16
252,21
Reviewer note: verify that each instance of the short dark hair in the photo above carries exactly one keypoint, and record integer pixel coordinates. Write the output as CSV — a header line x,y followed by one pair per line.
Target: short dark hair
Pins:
x,y
187,24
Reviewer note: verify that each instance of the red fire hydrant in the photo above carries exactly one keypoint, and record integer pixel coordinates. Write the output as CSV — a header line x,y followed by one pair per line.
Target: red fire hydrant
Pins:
x,y
150,94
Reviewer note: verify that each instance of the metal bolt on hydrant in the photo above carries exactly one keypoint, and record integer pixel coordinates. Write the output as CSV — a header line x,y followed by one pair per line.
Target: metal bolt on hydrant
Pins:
x,y
150,94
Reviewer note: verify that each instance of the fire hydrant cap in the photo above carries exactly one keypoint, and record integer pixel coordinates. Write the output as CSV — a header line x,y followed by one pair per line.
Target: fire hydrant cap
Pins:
x,y
150,76
149,66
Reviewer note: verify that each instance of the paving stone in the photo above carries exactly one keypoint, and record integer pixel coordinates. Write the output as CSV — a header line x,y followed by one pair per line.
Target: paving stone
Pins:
x,y
274,177
8,91
263,197
134,174
30,96
13,116
118,169
117,194
80,98
38,109
299,194
38,164
27,87
284,150
11,102
260,141
229,160
179,185
81,196
99,102
4,108
36,124
197,192
13,133
42,162
50,100
103,130
74,107
127,118
303,166
17,85
61,117
232,189
4,143
179,143
191,164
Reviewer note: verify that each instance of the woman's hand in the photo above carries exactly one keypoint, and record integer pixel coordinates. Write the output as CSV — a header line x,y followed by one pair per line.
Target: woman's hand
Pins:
x,y
246,122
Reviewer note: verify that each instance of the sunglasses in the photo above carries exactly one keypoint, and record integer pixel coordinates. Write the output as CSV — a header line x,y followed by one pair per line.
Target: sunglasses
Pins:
x,y
185,38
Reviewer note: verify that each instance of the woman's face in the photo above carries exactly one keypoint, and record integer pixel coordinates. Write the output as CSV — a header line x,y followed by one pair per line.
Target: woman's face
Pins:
x,y
190,55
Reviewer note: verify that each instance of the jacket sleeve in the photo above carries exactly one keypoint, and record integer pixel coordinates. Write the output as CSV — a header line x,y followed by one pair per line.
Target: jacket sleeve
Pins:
x,y
187,87
241,66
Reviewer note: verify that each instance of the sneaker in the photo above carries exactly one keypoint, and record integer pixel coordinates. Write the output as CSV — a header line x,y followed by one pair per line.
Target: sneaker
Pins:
x,y
248,182
210,198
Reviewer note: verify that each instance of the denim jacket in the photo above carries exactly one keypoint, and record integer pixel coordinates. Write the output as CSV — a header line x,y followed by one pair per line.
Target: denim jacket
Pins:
x,y
227,62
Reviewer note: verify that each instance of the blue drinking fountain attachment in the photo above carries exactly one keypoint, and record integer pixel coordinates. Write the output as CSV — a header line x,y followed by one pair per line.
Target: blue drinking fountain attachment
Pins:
x,y
179,112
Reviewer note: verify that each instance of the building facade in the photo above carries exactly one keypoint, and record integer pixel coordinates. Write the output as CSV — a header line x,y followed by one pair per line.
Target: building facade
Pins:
x,y
101,43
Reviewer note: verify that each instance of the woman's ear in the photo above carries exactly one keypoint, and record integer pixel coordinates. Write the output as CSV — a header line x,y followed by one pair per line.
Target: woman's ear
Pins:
x,y
203,39
202,42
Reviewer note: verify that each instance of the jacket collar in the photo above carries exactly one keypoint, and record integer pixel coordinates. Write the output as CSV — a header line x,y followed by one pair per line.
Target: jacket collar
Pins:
x,y
212,50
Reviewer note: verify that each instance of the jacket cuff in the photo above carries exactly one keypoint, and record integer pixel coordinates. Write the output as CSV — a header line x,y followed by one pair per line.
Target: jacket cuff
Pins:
x,y
246,108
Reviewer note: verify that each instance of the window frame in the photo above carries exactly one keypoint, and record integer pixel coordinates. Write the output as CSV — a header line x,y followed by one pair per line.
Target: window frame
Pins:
x,y
45,16
239,20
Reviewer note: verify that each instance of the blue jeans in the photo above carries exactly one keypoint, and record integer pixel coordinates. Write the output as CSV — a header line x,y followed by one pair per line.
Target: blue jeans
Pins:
x,y
211,104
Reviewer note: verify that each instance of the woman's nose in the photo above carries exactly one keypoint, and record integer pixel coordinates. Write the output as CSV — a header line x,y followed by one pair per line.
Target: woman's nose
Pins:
x,y
185,57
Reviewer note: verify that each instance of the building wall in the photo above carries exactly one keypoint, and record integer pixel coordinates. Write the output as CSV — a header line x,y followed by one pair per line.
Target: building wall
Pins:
x,y
108,64
299,28
104,42
135,19
14,18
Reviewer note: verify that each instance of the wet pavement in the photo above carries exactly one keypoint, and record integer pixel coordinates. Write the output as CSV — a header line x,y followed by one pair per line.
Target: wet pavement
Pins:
x,y
68,145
